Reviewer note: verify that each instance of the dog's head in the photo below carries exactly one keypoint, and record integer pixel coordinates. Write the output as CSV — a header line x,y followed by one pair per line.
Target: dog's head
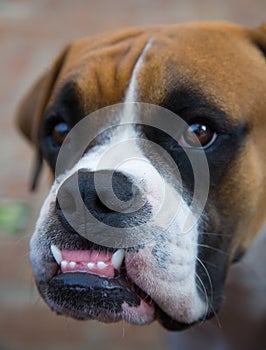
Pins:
x,y
110,242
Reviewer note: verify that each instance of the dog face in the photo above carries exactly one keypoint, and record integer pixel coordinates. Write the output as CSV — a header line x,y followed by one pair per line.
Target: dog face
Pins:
x,y
212,77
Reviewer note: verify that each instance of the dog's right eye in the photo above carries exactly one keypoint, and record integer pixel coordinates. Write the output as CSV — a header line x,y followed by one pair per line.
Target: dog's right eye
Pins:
x,y
198,134
59,133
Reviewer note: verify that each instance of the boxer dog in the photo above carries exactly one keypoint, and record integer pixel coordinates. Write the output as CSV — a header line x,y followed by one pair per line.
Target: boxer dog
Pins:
x,y
212,76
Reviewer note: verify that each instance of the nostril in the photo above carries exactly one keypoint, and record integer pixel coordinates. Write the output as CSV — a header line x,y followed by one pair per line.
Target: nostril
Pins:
x,y
122,187
65,202
113,200
101,206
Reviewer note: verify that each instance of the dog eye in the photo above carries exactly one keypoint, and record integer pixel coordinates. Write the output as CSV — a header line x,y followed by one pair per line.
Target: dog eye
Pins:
x,y
59,133
195,134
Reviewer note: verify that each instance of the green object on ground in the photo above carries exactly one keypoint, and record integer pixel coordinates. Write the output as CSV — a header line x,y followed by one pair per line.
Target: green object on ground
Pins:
x,y
13,217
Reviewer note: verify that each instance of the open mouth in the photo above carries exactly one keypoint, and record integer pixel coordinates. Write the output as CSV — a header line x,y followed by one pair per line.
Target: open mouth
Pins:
x,y
86,281
104,264
93,284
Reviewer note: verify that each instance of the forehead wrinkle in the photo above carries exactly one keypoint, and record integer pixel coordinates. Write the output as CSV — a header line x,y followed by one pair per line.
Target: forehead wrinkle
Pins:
x,y
103,74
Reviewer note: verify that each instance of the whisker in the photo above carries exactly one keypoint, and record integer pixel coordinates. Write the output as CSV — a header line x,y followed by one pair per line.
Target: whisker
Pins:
x,y
209,300
23,238
213,248
216,234
206,262
204,292
215,314
210,304
209,278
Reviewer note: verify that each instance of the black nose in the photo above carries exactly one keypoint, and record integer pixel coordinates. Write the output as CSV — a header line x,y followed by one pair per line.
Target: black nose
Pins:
x,y
109,196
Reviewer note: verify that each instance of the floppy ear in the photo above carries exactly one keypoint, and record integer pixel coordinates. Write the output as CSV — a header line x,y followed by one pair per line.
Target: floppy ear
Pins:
x,y
32,107
259,38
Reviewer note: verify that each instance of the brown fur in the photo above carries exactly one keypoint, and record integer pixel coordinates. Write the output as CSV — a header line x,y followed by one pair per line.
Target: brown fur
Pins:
x,y
102,67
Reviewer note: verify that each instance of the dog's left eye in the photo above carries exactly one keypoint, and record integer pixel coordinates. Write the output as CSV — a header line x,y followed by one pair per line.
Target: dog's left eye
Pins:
x,y
196,135
59,133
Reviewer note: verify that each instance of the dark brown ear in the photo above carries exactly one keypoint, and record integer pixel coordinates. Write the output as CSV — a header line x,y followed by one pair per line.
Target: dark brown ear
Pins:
x,y
32,106
259,38
31,109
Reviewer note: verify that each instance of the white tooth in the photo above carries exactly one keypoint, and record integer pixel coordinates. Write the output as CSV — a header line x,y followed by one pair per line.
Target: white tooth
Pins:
x,y
72,264
56,253
101,265
64,263
118,258
90,265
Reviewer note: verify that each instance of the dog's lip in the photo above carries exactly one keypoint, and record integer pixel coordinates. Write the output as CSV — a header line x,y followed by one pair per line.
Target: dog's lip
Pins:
x,y
71,278
148,310
90,262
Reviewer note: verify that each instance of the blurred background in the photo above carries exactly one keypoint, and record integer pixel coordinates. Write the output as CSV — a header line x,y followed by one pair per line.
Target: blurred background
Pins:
x,y
31,35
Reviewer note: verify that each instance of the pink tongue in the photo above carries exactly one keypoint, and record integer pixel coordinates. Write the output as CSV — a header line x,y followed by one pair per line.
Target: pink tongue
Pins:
x,y
86,256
